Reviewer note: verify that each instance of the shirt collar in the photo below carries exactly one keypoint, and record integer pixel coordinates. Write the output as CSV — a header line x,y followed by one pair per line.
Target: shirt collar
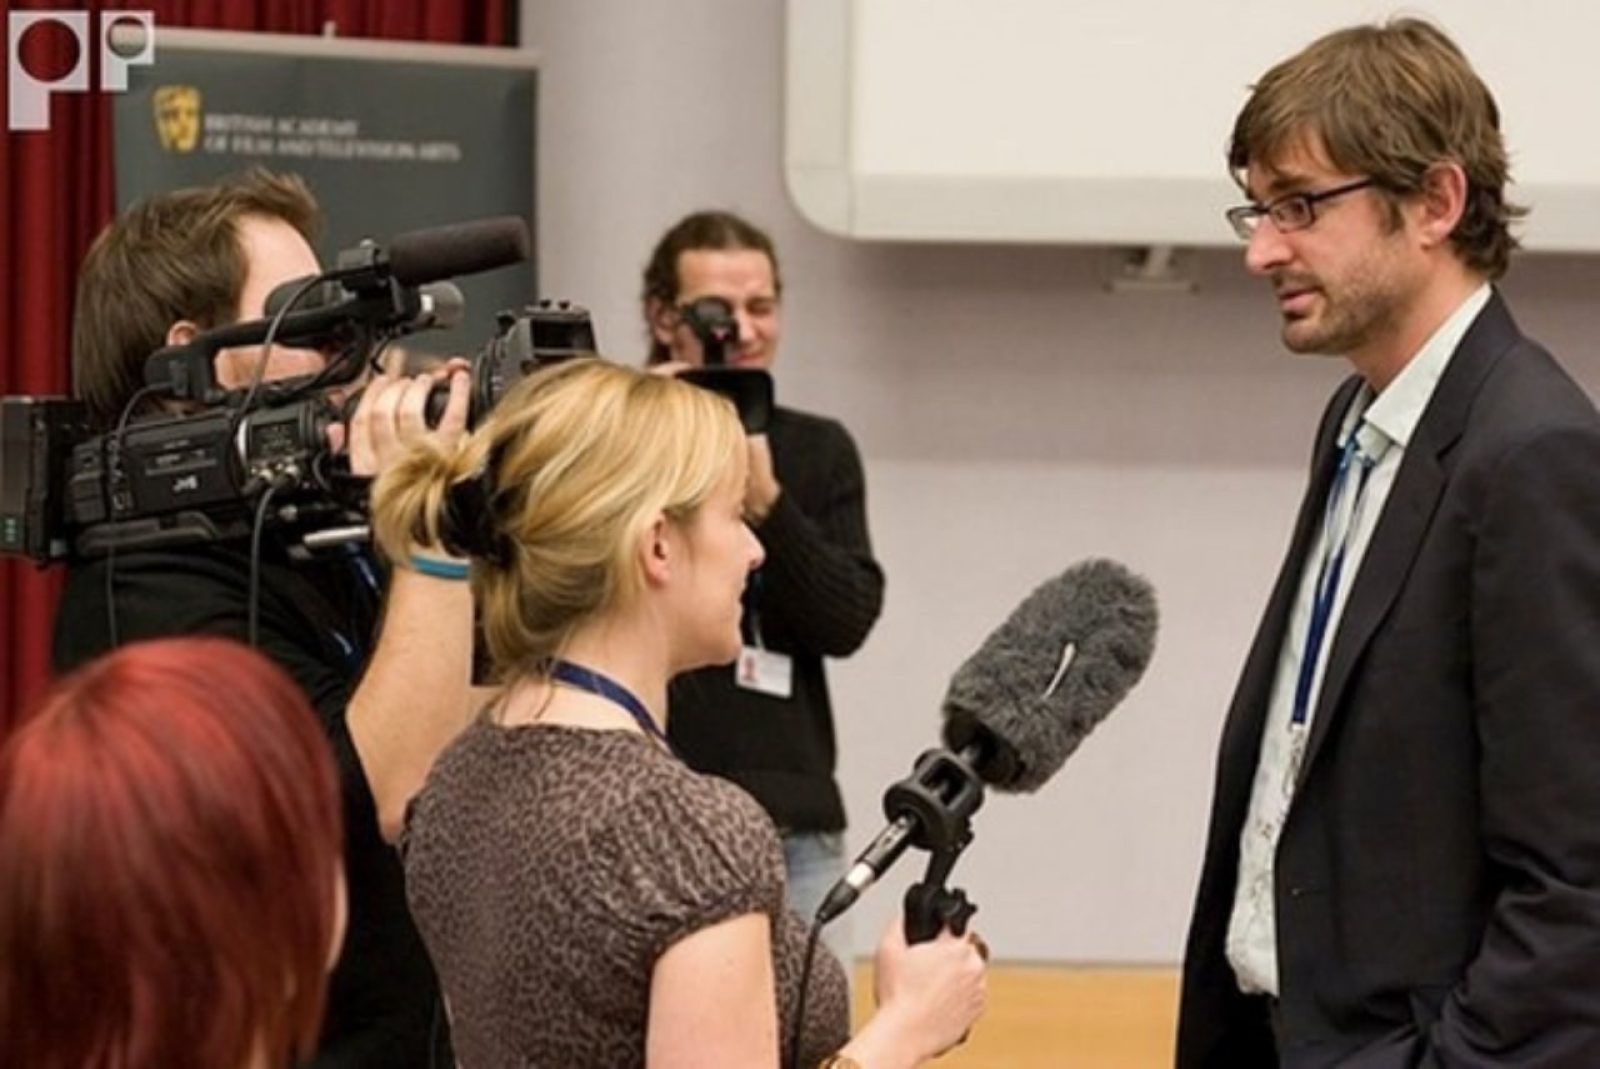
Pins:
x,y
1398,409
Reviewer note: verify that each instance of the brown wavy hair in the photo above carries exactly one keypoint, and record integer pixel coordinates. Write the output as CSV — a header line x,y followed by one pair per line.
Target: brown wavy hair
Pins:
x,y
1391,101
716,231
173,256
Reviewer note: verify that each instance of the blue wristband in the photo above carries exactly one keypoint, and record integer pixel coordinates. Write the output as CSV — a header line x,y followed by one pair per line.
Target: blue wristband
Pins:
x,y
440,569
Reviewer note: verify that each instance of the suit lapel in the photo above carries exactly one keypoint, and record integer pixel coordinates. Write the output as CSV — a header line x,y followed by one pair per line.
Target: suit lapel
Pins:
x,y
1408,511
1241,740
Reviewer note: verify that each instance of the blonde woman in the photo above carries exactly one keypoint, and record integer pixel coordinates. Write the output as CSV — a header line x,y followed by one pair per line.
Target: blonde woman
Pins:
x,y
588,899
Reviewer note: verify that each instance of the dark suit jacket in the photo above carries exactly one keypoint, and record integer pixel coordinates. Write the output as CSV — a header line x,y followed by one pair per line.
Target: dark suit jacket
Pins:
x,y
1438,876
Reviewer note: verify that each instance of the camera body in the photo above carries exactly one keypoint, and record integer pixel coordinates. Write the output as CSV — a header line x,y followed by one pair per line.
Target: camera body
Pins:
x,y
236,461
541,334
203,477
750,389
37,437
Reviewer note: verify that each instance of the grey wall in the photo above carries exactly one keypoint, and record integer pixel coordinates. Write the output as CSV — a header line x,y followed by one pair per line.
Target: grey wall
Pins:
x,y
1015,416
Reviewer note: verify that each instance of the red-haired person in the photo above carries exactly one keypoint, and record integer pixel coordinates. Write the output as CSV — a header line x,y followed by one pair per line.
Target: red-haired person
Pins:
x,y
171,889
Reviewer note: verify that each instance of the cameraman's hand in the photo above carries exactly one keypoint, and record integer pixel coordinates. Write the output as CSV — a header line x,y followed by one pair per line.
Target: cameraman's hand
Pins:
x,y
390,415
761,489
669,367
929,995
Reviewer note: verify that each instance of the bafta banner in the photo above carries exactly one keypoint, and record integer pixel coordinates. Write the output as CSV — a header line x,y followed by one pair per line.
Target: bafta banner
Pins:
x,y
391,137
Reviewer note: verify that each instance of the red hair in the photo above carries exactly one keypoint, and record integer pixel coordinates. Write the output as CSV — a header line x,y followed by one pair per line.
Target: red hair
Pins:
x,y
169,865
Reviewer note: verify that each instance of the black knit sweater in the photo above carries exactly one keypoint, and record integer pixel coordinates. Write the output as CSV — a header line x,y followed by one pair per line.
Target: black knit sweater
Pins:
x,y
817,594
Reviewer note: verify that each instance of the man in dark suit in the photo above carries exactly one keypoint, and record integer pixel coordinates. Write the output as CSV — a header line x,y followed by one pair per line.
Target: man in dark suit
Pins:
x,y
1403,866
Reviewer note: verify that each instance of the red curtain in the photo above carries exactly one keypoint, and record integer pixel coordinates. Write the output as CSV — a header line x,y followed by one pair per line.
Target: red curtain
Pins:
x,y
56,193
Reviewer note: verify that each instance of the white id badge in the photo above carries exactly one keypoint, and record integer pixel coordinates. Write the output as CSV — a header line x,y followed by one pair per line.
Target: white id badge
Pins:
x,y
764,671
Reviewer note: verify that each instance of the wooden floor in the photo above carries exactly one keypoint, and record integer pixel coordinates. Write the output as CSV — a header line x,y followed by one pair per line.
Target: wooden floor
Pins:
x,y
1065,1018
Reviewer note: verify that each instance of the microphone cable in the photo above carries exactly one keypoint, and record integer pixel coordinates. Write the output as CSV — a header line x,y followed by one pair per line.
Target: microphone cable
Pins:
x,y
260,372
253,602
121,441
800,999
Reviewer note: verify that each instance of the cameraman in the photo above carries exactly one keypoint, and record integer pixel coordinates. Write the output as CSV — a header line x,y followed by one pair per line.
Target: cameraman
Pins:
x,y
175,265
767,723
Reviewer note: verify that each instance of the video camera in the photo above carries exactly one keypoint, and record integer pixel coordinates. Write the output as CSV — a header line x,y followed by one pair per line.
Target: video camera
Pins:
x,y
262,454
714,324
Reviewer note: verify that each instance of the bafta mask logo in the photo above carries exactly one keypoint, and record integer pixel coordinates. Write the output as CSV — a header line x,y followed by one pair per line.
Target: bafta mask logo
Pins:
x,y
178,117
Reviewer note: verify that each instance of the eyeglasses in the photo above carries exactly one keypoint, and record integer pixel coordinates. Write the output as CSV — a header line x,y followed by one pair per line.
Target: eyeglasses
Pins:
x,y
1293,212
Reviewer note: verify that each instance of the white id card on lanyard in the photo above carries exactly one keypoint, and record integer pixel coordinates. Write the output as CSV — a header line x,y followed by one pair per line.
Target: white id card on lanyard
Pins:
x,y
758,668
764,671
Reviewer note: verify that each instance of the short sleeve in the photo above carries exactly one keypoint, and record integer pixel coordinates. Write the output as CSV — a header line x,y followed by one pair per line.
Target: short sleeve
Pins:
x,y
694,851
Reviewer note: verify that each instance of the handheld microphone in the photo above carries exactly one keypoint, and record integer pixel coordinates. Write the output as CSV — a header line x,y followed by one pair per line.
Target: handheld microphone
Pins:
x,y
1017,709
1044,679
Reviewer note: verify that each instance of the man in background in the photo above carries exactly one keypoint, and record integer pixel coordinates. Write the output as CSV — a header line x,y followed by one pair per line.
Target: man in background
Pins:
x,y
767,722
1403,866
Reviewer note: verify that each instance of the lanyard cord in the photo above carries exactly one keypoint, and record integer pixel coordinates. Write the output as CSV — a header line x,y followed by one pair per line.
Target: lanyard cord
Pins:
x,y
1332,567
587,679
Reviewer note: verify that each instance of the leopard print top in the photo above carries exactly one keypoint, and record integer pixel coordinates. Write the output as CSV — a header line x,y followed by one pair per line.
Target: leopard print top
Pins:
x,y
549,867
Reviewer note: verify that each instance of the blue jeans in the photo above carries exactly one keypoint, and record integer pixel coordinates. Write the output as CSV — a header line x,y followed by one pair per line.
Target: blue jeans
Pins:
x,y
813,862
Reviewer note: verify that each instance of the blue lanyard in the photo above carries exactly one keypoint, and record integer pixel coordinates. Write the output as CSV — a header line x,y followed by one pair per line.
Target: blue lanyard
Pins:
x,y
587,679
1328,575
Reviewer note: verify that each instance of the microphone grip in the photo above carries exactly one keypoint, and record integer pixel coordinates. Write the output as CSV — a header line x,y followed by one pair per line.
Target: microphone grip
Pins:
x,y
923,918
931,908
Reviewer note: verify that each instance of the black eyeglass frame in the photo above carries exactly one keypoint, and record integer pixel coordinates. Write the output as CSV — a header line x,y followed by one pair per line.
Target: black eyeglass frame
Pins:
x,y
1246,218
